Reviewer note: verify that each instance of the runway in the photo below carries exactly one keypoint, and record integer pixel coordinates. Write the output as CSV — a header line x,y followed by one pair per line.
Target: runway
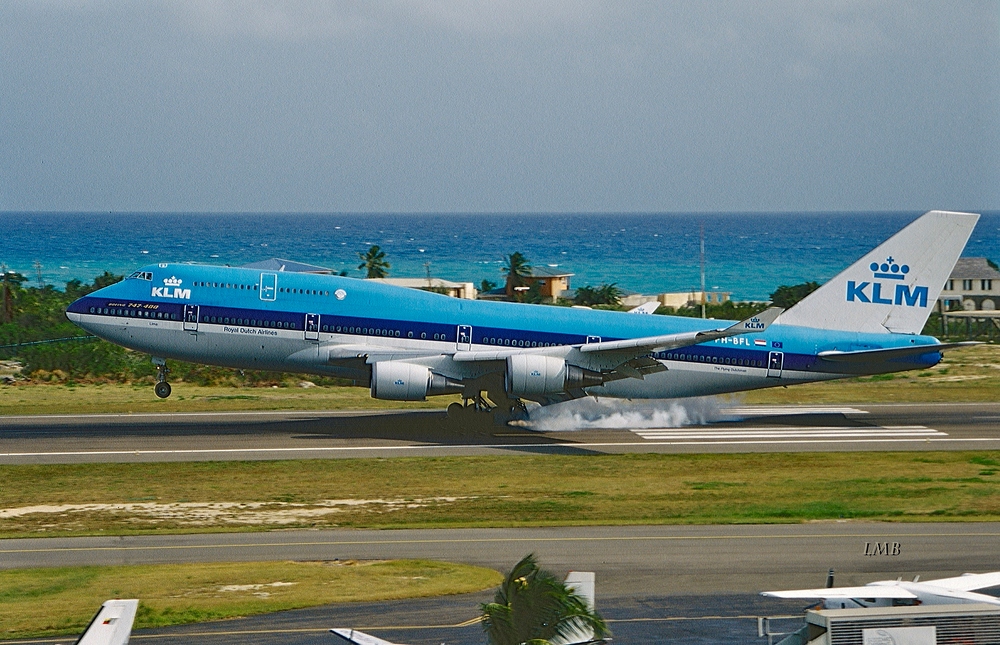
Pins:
x,y
335,435
685,584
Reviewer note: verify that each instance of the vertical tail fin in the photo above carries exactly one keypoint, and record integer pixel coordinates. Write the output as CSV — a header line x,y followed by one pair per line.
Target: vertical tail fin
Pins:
x,y
893,288
582,583
112,625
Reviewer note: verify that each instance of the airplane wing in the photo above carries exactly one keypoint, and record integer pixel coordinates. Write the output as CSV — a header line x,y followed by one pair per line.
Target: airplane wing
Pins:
x,y
867,591
635,347
639,346
869,355
968,581
359,638
112,625
645,308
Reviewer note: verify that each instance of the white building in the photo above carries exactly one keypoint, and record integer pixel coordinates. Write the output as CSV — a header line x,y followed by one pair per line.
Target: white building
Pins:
x,y
465,290
974,285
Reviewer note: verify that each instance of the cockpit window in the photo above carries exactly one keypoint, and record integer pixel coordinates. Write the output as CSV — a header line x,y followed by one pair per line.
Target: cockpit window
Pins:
x,y
141,275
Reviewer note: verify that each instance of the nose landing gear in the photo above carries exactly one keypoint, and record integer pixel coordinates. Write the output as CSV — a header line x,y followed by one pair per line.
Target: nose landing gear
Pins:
x,y
162,388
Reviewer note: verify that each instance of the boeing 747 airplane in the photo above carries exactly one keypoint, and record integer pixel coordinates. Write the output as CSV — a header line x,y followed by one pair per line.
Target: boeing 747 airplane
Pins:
x,y
407,345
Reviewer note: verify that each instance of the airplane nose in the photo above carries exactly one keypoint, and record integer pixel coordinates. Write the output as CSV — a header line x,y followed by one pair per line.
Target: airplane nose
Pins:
x,y
75,312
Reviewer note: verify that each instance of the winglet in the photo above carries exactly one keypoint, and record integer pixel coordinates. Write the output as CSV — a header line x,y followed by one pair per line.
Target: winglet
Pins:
x,y
758,323
112,625
752,325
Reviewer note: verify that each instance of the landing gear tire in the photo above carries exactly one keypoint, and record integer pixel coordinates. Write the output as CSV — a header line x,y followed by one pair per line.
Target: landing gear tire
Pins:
x,y
162,388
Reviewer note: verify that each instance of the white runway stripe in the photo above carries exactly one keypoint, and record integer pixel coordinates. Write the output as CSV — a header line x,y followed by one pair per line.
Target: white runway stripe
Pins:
x,y
796,432
776,410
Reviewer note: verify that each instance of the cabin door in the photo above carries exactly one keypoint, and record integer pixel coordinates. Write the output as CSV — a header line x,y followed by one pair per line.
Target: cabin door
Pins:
x,y
190,317
775,361
464,338
268,286
312,327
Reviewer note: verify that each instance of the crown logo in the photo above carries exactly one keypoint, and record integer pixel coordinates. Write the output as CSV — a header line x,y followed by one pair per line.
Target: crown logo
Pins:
x,y
172,281
889,269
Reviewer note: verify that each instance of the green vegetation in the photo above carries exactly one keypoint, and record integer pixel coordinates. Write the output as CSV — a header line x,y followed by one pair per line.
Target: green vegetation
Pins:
x,y
117,398
605,294
533,607
373,262
112,499
516,268
786,296
49,602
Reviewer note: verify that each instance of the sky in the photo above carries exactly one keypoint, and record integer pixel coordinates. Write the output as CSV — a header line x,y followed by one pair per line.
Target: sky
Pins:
x,y
499,106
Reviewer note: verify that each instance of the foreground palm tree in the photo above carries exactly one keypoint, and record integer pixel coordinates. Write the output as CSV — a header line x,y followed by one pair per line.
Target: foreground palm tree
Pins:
x,y
532,607
373,262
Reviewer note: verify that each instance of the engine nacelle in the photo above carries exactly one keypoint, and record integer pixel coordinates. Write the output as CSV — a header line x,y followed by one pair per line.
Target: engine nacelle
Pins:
x,y
534,375
399,381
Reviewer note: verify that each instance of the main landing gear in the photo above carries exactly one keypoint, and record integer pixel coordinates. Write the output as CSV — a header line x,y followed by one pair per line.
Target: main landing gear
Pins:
x,y
478,410
162,388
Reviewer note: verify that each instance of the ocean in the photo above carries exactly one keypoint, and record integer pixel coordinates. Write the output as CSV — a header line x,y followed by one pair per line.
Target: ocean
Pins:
x,y
746,254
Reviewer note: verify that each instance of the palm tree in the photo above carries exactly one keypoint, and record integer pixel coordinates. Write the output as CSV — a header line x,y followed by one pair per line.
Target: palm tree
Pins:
x,y
373,262
516,268
12,282
532,607
606,294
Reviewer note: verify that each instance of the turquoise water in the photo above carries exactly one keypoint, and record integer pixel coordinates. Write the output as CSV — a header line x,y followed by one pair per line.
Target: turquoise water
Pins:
x,y
747,254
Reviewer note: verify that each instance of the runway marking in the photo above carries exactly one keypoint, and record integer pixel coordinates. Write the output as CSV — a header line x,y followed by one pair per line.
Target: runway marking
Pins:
x,y
681,441
502,540
768,410
786,432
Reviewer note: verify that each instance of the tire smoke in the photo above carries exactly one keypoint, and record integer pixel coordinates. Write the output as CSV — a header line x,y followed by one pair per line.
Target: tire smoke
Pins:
x,y
608,413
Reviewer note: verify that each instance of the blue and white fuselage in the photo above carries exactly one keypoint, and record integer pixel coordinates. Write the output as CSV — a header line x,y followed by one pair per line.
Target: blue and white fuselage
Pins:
x,y
406,344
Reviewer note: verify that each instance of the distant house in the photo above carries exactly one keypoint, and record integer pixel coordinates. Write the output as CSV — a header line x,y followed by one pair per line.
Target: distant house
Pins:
x,y
552,283
974,285
454,289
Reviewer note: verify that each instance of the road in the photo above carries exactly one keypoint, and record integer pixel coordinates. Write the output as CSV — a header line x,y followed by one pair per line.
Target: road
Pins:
x,y
688,584
326,435
682,584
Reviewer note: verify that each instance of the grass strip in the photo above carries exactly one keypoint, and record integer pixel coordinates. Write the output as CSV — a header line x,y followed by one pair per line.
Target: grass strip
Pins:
x,y
497,491
48,602
969,375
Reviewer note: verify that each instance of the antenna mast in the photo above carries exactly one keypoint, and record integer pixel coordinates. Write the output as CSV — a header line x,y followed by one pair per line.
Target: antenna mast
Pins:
x,y
703,270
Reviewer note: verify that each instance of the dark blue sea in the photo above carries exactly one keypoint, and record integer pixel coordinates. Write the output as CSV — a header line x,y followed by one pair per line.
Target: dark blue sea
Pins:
x,y
747,254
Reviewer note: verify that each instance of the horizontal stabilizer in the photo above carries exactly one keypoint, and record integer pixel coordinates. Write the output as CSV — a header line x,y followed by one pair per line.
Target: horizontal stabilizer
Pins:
x,y
112,625
889,353
867,591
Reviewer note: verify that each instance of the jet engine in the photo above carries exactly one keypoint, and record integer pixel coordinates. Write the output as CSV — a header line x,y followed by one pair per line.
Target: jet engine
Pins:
x,y
533,375
399,381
